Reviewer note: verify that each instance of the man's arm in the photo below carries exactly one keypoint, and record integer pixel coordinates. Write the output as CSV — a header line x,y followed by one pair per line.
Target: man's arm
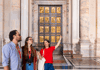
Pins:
x,y
5,62
58,42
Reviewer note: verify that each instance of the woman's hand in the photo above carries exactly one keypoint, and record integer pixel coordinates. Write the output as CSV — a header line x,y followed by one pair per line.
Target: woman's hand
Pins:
x,y
38,53
60,36
40,57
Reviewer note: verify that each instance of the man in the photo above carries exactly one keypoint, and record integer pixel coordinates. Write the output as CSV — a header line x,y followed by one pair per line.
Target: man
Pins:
x,y
12,52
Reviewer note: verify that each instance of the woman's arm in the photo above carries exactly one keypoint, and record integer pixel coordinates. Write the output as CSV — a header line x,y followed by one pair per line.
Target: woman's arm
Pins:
x,y
58,42
40,57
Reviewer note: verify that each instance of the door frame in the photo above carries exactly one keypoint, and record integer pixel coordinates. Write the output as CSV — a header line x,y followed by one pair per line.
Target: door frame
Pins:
x,y
64,18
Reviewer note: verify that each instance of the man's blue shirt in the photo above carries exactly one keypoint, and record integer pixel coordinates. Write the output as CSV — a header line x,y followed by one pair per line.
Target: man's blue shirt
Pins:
x,y
10,54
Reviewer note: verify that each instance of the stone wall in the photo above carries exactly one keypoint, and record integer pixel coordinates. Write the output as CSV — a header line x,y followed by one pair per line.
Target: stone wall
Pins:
x,y
89,25
9,20
11,16
1,28
98,29
84,26
23,17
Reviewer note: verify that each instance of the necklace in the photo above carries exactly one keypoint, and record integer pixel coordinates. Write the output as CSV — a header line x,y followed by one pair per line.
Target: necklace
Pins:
x,y
29,52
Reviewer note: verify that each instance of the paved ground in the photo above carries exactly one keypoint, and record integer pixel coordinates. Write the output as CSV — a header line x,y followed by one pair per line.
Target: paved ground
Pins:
x,y
74,64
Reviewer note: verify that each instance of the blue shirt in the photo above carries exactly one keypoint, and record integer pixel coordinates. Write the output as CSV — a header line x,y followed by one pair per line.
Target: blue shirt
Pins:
x,y
10,54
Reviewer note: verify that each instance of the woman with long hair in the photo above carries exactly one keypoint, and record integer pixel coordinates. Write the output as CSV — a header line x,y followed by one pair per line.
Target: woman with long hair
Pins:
x,y
47,53
29,55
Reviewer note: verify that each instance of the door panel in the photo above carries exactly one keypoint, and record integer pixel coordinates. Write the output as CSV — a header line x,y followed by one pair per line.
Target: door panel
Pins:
x,y
50,24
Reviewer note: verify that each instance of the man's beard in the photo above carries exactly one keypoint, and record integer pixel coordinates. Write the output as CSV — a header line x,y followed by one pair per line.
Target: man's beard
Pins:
x,y
19,40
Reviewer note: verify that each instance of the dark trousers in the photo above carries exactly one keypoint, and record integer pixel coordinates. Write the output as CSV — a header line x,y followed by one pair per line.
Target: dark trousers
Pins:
x,y
48,66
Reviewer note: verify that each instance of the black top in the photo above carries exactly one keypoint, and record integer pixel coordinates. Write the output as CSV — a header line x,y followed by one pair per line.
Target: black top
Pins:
x,y
31,58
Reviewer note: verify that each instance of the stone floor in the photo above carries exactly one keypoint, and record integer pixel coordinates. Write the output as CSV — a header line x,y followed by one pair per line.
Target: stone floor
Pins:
x,y
59,62
63,63
77,69
85,63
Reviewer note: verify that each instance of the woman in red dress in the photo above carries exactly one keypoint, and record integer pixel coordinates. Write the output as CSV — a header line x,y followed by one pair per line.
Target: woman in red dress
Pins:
x,y
48,54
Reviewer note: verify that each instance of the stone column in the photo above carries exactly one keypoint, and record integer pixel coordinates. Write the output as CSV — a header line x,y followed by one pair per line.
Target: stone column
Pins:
x,y
98,29
30,17
35,23
1,28
92,26
75,24
70,14
15,15
64,28
24,20
7,19
84,26
11,17
84,20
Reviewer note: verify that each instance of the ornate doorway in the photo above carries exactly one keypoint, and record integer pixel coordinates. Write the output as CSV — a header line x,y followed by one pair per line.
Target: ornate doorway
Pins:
x,y
49,24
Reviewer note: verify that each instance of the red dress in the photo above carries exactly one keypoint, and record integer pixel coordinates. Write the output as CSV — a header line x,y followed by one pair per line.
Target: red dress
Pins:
x,y
48,54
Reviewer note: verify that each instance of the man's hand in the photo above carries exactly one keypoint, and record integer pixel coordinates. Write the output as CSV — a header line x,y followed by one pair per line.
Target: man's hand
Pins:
x,y
6,68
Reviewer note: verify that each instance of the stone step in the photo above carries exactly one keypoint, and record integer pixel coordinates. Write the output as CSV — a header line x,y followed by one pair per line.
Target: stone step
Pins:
x,y
59,61
1,67
59,51
74,56
77,55
60,67
58,57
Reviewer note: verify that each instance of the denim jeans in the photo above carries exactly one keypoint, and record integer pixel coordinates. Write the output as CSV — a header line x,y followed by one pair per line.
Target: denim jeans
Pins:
x,y
29,67
48,66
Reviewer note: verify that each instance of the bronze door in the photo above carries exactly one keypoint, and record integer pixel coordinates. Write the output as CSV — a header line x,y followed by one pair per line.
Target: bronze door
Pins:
x,y
49,24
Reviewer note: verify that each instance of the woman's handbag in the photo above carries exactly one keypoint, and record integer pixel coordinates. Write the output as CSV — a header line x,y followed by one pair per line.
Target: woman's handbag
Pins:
x,y
41,63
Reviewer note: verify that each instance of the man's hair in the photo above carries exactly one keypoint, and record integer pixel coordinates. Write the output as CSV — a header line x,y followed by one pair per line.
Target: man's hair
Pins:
x,y
13,32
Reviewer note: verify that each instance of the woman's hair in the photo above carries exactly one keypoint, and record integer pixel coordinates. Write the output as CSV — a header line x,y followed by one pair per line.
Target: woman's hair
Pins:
x,y
47,41
26,44
26,47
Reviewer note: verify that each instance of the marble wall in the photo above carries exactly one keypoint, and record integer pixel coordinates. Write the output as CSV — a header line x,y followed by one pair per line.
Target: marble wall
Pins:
x,y
98,29
1,27
11,16
84,26
24,20
83,14
92,27
88,32
9,20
